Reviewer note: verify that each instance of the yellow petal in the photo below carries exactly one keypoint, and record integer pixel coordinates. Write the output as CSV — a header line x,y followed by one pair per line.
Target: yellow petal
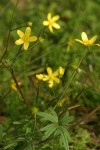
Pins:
x,y
57,80
45,23
50,28
49,16
20,33
18,42
61,71
49,71
29,23
92,40
51,83
32,38
84,36
56,73
26,45
28,31
55,18
39,76
79,41
45,77
97,44
55,25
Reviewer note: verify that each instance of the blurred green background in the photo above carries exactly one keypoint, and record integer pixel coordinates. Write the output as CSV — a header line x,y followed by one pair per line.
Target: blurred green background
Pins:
x,y
58,49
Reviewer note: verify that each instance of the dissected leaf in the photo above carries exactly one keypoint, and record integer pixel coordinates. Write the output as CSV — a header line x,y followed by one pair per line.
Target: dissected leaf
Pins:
x,y
50,131
47,116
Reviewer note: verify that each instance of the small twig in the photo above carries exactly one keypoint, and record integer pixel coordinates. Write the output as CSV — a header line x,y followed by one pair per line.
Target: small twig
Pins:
x,y
37,94
20,91
84,119
11,23
71,79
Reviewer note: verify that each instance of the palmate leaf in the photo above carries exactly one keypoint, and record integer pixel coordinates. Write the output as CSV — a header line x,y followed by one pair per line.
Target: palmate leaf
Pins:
x,y
49,130
66,120
64,136
51,116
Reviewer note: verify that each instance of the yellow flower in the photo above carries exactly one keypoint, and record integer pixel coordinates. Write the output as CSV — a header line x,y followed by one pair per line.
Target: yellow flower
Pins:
x,y
13,85
61,102
40,76
29,23
41,39
85,41
51,76
35,110
25,39
51,22
61,71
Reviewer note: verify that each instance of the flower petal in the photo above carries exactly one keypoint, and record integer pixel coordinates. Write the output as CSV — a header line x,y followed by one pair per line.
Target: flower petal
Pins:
x,y
45,78
56,25
56,73
79,41
26,45
28,31
20,33
39,76
51,83
32,38
55,18
49,71
92,40
49,16
50,28
97,44
84,36
18,42
57,80
45,23
61,71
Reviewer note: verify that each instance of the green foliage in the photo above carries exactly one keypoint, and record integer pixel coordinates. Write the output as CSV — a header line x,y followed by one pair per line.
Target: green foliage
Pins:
x,y
30,115
58,128
81,140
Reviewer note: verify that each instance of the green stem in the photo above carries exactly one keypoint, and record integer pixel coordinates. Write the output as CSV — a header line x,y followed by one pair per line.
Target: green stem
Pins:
x,y
69,82
11,23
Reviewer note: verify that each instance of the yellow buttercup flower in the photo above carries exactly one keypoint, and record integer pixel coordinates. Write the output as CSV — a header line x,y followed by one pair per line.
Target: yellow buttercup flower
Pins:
x,y
61,102
13,85
29,23
85,41
40,76
25,38
51,22
35,110
51,76
61,71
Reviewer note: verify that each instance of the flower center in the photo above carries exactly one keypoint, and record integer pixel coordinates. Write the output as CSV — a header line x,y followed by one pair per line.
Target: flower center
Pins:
x,y
26,38
51,22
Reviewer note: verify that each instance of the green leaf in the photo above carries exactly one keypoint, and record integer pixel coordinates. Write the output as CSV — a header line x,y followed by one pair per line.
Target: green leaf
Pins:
x,y
50,131
54,114
17,122
10,145
47,116
47,127
31,146
64,137
66,119
1,132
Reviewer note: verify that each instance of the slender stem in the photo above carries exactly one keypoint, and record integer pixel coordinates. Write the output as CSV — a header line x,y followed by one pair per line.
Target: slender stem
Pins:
x,y
69,82
18,27
17,55
20,91
84,119
11,23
